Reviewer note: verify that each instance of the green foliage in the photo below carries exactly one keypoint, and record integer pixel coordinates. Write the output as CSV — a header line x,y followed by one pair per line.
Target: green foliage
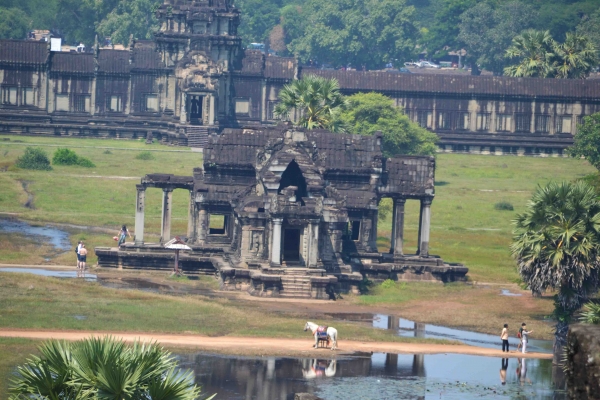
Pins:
x,y
537,54
258,17
34,158
69,157
144,155
504,206
587,141
590,27
487,29
103,368
318,100
364,285
590,314
367,113
385,208
445,27
556,245
388,284
356,32
130,17
14,23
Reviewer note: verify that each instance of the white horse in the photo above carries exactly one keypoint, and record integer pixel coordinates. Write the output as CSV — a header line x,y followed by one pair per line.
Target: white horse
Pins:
x,y
332,334
317,369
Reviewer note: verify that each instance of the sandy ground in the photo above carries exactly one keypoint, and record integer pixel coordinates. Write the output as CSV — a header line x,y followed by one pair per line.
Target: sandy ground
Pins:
x,y
271,346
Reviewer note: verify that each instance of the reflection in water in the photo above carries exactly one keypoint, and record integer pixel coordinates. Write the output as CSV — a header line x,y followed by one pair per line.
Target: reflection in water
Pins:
x,y
59,239
53,273
377,376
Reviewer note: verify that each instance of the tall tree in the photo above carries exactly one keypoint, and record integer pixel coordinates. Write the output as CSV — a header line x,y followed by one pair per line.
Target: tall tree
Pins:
x,y
576,57
258,17
587,140
487,29
367,113
556,245
316,100
534,51
590,27
14,23
443,33
360,33
102,369
130,17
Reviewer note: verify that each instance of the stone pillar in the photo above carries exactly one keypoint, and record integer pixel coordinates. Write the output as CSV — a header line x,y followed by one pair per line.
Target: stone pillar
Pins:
x,y
398,227
139,214
211,110
165,226
313,244
373,240
202,224
183,109
192,214
424,226
276,248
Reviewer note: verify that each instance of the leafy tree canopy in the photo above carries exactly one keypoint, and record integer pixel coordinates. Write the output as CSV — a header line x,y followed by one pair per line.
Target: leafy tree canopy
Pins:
x,y
14,23
445,27
587,140
356,32
487,29
367,113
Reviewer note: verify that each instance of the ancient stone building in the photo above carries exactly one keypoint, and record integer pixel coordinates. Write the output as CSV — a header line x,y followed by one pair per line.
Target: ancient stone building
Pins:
x,y
297,214
194,78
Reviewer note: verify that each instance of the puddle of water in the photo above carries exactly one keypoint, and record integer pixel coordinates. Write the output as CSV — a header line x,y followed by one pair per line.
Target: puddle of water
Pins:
x,y
53,273
80,317
377,376
43,234
506,292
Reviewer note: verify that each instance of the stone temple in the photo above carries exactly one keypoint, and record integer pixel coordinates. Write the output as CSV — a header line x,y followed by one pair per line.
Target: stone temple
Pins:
x,y
299,213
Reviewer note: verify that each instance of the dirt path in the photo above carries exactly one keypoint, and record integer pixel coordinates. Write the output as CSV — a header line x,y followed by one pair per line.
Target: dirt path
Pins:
x,y
270,346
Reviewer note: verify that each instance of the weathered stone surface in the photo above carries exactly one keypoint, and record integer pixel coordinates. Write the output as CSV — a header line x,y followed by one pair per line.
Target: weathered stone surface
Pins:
x,y
306,396
583,362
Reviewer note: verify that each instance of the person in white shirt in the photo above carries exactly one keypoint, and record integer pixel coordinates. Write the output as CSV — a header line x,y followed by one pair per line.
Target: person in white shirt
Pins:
x,y
504,338
524,337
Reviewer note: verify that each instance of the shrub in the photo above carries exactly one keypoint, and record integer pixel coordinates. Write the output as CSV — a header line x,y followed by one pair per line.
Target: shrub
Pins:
x,y
388,284
34,158
107,151
69,157
145,155
504,206
591,314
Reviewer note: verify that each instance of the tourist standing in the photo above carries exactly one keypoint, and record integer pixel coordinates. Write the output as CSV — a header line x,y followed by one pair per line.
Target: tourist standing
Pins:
x,y
503,371
77,253
504,338
525,336
122,234
520,337
82,256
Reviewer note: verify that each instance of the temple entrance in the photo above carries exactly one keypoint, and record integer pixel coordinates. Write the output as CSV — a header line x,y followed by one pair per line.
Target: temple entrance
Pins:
x,y
195,109
292,176
291,245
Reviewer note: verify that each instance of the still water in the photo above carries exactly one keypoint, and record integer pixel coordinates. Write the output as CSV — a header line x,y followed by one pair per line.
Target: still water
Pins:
x,y
57,238
376,376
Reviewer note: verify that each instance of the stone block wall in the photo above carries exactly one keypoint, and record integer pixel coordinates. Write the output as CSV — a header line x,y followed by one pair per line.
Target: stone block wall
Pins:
x,y
583,362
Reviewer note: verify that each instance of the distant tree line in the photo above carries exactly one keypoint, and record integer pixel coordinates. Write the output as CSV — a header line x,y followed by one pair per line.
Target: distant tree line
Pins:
x,y
357,33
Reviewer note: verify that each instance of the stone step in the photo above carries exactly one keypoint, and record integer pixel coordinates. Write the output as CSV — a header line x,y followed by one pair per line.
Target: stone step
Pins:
x,y
295,295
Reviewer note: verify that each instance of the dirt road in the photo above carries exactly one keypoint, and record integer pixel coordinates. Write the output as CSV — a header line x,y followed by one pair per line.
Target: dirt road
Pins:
x,y
271,346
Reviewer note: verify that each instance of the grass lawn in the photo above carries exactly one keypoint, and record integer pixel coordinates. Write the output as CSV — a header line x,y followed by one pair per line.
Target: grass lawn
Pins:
x,y
12,353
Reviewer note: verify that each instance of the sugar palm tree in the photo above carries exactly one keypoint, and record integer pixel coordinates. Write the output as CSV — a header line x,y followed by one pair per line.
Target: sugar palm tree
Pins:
x,y
102,369
317,100
534,52
576,57
556,245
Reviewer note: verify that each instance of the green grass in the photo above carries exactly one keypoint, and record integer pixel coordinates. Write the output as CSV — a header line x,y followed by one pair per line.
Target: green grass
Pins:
x,y
12,353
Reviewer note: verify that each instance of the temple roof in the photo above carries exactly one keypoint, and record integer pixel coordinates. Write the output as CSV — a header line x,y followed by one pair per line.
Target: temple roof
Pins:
x,y
23,52
145,56
76,63
113,61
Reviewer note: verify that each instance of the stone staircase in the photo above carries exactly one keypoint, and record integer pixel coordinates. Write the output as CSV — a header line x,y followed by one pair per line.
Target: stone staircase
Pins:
x,y
295,283
197,136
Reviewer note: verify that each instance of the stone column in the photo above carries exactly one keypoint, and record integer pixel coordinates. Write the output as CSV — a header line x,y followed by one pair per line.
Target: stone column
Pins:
x,y
139,214
183,109
276,247
398,227
192,214
313,244
165,226
202,224
373,240
424,227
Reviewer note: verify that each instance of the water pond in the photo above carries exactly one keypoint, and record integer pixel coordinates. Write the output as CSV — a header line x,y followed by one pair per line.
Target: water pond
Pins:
x,y
59,239
376,376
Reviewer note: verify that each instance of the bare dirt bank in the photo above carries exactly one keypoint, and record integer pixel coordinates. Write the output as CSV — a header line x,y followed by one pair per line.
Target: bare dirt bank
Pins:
x,y
270,346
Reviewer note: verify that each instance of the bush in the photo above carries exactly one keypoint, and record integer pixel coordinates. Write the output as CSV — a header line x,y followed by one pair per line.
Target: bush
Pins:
x,y
34,158
388,284
504,206
69,157
145,155
591,314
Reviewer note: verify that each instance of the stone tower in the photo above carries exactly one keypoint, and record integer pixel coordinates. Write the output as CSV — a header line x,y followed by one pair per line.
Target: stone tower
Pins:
x,y
198,40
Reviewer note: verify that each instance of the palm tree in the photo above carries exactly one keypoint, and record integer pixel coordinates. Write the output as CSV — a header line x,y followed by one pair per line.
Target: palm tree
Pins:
x,y
102,369
534,51
317,100
556,245
576,57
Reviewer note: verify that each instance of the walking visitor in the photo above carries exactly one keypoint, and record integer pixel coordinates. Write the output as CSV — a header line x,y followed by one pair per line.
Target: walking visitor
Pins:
x,y
77,253
524,336
504,338
122,234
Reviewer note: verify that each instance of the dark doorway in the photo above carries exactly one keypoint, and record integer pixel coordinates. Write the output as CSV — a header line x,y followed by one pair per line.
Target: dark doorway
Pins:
x,y
196,110
292,176
291,245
